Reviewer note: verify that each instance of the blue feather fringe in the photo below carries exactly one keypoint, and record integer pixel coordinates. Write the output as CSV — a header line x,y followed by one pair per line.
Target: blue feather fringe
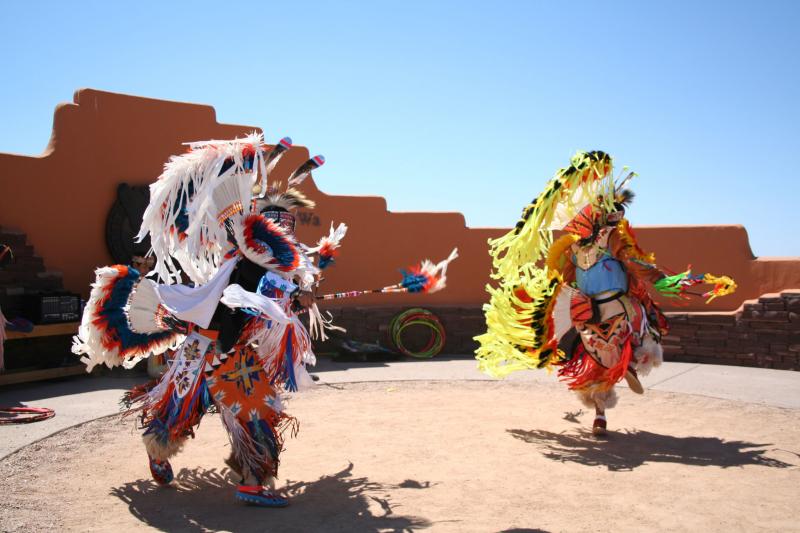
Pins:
x,y
412,282
114,313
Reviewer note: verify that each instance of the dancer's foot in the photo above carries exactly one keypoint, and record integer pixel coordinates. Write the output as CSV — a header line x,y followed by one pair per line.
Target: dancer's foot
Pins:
x,y
161,471
260,495
599,426
633,381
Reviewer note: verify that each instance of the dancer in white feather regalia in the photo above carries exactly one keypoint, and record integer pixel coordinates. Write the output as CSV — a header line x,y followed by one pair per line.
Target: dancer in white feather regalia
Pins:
x,y
217,219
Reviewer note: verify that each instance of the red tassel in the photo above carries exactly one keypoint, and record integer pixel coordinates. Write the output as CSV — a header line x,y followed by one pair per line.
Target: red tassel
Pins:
x,y
582,370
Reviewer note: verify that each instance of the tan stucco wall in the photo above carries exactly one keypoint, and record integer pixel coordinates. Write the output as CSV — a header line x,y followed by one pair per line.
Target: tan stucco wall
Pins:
x,y
61,200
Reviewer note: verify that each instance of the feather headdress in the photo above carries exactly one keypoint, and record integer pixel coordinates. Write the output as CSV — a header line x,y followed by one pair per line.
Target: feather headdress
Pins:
x,y
271,162
624,197
289,199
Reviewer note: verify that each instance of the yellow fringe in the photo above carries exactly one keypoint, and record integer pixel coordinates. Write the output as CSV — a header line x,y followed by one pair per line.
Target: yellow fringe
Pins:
x,y
556,256
571,187
624,230
518,333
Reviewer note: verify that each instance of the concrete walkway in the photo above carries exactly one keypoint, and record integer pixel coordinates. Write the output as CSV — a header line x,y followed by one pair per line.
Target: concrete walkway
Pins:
x,y
83,398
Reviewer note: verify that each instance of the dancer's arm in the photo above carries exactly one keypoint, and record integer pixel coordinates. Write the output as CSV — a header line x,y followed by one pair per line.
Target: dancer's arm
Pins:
x,y
629,254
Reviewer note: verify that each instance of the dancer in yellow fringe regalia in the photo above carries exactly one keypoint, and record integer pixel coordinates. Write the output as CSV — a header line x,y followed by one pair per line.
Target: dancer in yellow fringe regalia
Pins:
x,y
580,304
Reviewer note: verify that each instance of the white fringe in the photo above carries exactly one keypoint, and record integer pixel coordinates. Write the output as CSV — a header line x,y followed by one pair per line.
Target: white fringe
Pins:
x,y
318,323
562,317
244,449
235,296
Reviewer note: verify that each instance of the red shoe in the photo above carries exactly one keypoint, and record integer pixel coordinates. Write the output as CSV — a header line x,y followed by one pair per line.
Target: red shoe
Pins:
x,y
599,426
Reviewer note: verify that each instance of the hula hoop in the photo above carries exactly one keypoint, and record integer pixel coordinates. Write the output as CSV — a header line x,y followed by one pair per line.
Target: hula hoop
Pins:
x,y
38,414
418,317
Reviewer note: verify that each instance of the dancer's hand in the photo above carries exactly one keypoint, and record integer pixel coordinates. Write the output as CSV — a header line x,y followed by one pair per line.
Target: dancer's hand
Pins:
x,y
305,298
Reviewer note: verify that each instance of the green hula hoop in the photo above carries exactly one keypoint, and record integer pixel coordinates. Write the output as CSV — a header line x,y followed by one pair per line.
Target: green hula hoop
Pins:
x,y
418,317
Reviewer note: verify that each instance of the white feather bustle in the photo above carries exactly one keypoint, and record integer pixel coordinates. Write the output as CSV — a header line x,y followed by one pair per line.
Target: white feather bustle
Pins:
x,y
562,317
199,170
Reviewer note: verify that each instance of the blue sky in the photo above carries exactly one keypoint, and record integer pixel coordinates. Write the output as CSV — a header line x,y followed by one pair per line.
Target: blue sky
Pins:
x,y
457,106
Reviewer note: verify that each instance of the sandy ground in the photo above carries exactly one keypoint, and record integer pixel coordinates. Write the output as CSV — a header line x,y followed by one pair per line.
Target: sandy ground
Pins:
x,y
445,456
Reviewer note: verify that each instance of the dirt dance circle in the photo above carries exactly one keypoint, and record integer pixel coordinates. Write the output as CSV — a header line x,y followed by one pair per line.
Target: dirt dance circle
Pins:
x,y
443,456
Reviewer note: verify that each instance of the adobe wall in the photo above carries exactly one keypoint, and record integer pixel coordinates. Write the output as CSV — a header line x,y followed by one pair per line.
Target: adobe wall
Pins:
x,y
764,332
61,199
379,242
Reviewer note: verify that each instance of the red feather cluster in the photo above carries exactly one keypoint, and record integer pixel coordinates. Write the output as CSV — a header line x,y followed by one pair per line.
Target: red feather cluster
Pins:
x,y
248,151
328,250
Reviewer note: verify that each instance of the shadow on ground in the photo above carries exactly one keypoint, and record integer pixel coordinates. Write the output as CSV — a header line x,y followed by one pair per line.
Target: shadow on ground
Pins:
x,y
626,450
203,501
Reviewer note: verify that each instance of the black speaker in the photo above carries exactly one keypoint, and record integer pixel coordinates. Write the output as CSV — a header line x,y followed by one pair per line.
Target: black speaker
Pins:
x,y
52,308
